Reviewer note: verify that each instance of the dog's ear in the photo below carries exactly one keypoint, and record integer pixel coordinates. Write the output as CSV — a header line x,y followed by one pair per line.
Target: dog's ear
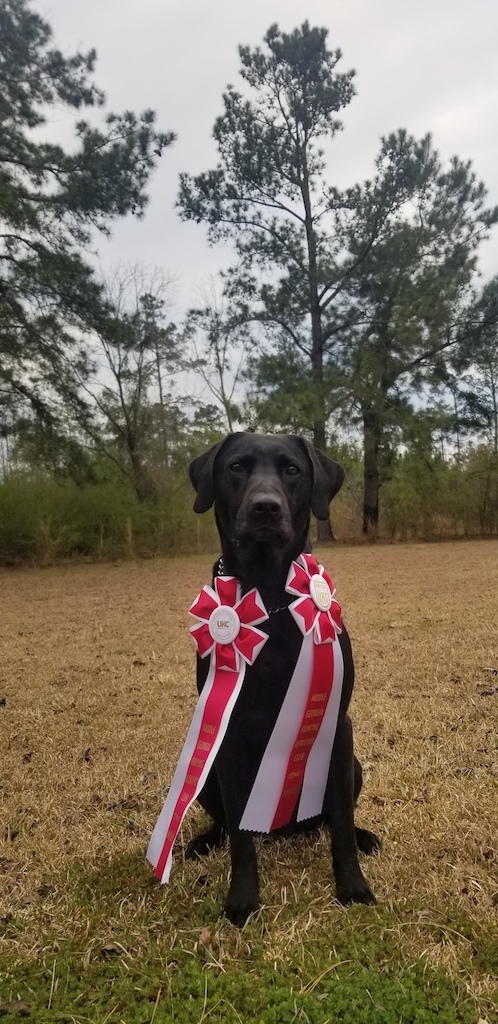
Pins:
x,y
201,476
200,472
328,478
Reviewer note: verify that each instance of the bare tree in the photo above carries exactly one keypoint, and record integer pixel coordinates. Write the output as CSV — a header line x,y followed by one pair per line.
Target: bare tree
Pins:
x,y
217,346
136,358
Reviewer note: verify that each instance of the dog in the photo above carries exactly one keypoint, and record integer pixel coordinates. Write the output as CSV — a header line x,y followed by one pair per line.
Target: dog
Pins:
x,y
263,488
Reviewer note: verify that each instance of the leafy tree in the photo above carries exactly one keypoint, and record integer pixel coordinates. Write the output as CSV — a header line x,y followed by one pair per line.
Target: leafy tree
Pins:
x,y
475,364
308,256
281,389
481,467
51,202
8,423
408,299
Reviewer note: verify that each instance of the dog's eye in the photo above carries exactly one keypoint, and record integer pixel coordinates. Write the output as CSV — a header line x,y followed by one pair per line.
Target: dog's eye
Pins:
x,y
236,467
292,470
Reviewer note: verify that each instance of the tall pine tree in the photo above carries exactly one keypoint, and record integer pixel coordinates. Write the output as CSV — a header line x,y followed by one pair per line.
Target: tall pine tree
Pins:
x,y
269,195
52,200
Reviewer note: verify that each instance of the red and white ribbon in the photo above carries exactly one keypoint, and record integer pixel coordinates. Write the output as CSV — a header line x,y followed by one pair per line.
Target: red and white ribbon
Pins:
x,y
297,758
227,632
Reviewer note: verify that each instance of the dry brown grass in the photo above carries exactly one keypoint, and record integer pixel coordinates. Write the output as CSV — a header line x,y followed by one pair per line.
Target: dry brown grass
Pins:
x,y
97,674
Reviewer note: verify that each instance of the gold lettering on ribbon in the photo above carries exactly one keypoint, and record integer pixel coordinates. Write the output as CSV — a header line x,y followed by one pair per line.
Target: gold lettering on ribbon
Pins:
x,y
208,728
197,762
314,713
319,696
204,746
191,779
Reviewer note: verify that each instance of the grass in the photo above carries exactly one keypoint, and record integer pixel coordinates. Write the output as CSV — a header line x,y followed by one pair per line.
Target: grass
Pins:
x,y
97,683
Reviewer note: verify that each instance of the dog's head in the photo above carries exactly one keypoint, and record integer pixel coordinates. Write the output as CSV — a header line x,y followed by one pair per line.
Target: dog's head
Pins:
x,y
263,486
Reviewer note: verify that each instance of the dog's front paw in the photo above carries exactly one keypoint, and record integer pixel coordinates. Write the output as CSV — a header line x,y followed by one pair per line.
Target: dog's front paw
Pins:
x,y
358,891
239,907
367,841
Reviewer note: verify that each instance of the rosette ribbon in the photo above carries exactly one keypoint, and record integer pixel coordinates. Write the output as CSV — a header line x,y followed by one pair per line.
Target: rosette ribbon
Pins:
x,y
296,762
316,608
227,632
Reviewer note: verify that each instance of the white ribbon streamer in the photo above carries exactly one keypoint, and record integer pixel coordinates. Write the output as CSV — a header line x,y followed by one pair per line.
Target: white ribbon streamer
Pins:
x,y
159,834
266,791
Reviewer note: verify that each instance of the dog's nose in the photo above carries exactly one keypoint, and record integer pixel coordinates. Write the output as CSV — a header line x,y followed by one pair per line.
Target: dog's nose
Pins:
x,y
266,506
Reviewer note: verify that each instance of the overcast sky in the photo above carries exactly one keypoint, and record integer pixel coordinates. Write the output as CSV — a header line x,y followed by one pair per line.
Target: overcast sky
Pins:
x,y
427,65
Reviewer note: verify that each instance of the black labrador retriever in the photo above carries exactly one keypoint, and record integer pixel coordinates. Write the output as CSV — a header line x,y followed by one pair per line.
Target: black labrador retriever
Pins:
x,y
263,488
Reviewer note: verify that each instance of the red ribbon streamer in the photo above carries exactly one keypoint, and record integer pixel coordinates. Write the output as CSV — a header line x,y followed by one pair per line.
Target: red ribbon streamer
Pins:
x,y
222,689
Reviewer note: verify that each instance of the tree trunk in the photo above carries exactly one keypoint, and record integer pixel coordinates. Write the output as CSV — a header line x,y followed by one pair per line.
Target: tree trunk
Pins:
x,y
372,436
144,486
164,430
457,430
324,531
494,399
324,526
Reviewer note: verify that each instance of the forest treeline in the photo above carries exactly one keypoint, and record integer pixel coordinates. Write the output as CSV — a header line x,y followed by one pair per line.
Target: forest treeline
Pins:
x,y
357,317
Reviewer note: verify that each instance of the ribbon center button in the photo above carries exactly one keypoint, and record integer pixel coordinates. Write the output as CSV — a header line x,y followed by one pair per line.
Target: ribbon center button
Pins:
x,y
320,592
224,624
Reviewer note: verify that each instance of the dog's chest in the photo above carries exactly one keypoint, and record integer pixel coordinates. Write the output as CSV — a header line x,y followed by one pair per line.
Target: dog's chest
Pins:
x,y
265,686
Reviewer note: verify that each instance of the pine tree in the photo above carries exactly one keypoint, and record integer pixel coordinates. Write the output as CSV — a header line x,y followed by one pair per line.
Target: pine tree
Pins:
x,y
268,193
52,202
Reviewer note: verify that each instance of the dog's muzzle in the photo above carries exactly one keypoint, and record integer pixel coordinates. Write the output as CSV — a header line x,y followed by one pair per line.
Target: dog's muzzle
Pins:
x,y
263,516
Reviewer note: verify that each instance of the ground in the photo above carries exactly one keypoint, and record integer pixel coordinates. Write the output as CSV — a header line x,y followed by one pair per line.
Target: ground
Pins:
x,y
96,694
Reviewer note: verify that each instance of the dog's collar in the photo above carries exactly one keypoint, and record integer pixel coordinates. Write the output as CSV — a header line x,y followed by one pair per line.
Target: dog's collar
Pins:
x,y
220,571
